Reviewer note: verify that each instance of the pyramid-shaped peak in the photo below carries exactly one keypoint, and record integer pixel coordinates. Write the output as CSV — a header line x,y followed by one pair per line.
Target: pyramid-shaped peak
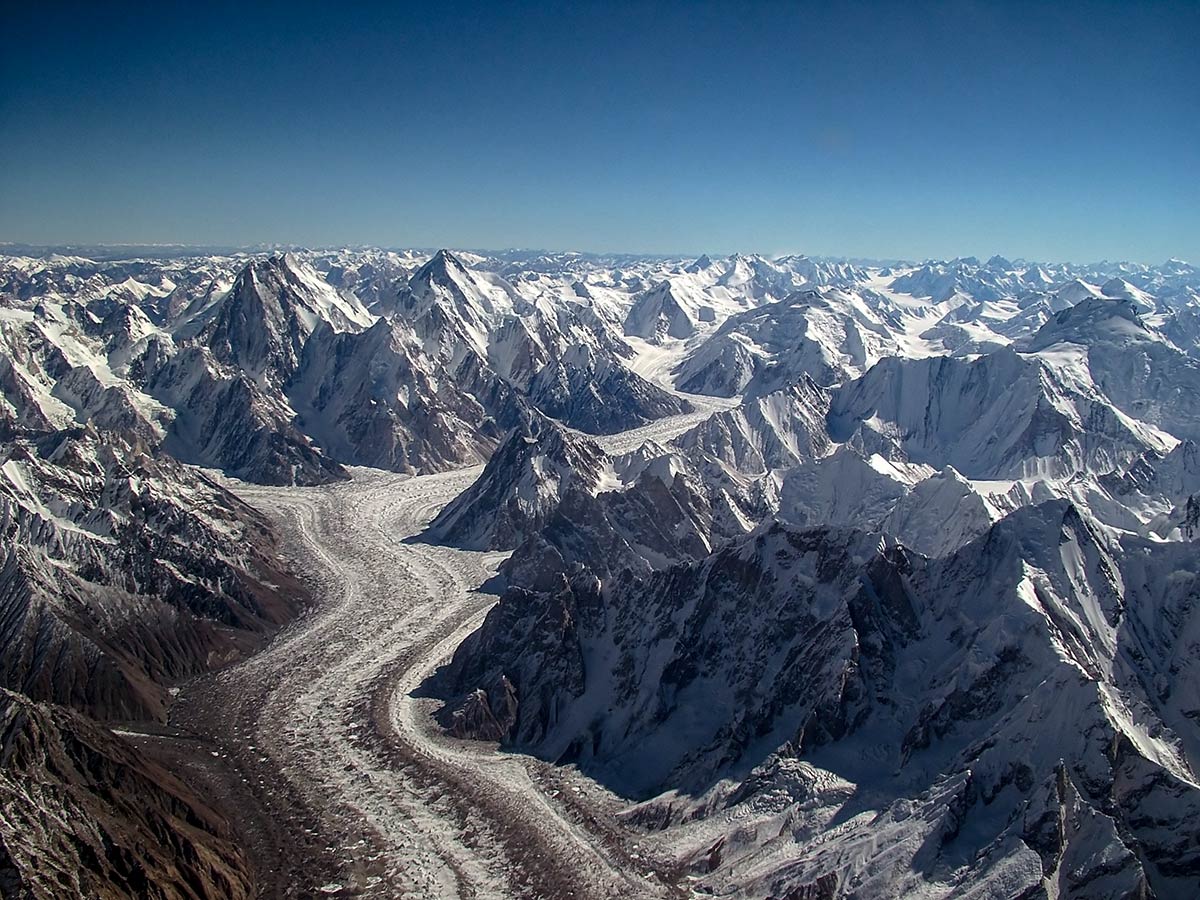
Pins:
x,y
1077,290
444,261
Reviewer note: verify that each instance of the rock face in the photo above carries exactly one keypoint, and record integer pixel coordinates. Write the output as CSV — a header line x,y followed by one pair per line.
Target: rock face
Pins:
x,y
578,704
563,361
374,399
660,314
125,572
595,393
227,380
940,514
520,486
272,309
84,814
773,431
990,693
225,420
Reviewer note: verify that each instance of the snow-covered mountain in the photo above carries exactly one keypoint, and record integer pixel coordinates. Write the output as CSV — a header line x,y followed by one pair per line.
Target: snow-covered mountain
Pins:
x,y
270,312
375,398
1003,415
828,336
985,718
569,364
903,603
271,373
520,486
765,433
1105,341
900,608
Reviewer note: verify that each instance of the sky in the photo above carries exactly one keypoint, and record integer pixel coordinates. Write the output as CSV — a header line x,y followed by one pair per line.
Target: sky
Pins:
x,y
885,130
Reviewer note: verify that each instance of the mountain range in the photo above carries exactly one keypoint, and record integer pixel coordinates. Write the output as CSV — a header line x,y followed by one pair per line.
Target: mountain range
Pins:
x,y
848,579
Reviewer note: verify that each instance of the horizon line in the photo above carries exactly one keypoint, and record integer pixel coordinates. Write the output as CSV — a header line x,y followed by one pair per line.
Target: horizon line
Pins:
x,y
267,247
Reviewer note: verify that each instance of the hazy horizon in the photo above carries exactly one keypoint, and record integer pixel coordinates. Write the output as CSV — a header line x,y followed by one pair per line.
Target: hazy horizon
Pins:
x,y
268,247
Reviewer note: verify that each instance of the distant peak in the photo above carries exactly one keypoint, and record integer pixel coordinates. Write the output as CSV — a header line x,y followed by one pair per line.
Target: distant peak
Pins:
x,y
1077,290
1091,320
275,263
443,264
1121,289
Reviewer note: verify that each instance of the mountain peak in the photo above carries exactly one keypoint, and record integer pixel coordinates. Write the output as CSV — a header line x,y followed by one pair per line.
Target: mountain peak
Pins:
x,y
444,261
1119,288
275,270
275,303
520,486
1096,319
1076,291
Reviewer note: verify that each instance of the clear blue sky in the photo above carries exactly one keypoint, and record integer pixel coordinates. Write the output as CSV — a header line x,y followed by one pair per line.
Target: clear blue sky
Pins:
x,y
1051,131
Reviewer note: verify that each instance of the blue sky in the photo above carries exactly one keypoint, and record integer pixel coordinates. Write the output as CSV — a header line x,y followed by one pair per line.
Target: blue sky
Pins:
x,y
1050,131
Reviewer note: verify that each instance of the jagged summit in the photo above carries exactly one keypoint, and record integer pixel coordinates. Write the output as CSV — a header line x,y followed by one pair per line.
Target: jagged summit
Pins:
x,y
442,265
272,308
520,486
664,311
444,281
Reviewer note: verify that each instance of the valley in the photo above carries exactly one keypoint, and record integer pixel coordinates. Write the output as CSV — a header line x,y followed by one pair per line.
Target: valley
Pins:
x,y
399,808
